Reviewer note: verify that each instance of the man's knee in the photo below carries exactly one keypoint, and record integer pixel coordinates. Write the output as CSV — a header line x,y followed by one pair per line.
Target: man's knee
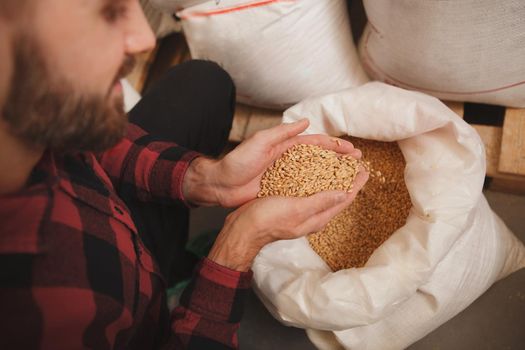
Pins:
x,y
208,76
213,71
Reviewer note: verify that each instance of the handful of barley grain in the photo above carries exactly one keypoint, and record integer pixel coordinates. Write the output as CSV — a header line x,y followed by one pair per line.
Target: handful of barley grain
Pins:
x,y
380,208
304,170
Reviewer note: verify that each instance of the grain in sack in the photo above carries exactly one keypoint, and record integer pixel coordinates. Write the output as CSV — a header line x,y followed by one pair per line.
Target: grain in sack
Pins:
x,y
278,52
380,208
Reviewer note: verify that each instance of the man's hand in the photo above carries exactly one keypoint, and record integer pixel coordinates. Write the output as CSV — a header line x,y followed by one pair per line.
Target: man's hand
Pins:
x,y
261,221
236,178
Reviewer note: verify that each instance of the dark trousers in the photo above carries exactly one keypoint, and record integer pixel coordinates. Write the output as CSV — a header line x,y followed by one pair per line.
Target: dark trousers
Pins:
x,y
193,106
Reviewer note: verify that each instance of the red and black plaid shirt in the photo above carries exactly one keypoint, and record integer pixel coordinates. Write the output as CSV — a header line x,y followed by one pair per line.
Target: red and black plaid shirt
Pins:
x,y
75,274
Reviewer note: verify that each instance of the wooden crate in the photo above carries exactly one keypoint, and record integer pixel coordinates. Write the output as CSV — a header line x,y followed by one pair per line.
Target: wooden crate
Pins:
x,y
505,148
248,120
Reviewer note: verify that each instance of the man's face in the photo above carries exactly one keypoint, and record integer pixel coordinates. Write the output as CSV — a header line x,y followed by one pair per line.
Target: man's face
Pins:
x,y
68,58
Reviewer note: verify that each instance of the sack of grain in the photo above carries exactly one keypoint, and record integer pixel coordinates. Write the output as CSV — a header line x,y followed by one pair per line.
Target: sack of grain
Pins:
x,y
451,249
467,50
278,52
171,6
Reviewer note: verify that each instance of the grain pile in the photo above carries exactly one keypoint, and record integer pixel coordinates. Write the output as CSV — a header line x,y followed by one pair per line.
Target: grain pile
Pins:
x,y
380,208
304,170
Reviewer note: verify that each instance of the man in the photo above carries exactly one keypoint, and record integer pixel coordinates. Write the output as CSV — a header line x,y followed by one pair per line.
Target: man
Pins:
x,y
88,240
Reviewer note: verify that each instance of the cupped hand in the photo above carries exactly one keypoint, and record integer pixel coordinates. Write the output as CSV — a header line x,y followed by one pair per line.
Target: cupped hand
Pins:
x,y
237,176
265,220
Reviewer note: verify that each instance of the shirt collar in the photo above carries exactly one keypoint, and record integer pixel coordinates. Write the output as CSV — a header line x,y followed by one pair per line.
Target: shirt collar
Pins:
x,y
22,213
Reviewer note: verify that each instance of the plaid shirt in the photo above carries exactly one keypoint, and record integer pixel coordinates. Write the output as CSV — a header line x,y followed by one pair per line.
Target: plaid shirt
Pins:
x,y
75,274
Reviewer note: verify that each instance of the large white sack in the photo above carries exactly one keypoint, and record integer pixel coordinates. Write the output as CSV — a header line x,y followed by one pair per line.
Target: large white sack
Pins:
x,y
464,50
159,18
175,5
278,52
452,248
474,263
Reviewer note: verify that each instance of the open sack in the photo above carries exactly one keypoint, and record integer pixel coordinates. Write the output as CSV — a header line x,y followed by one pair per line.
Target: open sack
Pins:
x,y
451,249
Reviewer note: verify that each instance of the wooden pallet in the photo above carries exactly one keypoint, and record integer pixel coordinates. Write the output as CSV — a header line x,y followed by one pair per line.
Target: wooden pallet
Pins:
x,y
505,147
248,120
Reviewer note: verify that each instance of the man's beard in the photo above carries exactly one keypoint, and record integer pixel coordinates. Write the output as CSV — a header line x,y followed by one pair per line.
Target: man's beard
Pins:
x,y
45,111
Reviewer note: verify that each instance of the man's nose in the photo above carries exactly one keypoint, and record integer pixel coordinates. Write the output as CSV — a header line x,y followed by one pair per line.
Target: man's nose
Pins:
x,y
139,36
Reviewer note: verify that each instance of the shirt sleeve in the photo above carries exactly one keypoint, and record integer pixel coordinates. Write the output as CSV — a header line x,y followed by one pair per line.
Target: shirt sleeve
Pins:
x,y
210,309
146,167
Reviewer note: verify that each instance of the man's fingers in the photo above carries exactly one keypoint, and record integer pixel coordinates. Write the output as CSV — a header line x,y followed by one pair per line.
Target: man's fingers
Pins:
x,y
360,179
320,202
278,134
319,220
356,153
325,200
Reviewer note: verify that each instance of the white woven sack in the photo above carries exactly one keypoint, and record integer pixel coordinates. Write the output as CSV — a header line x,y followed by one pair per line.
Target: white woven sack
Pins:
x,y
464,50
278,52
473,264
175,5
452,248
160,18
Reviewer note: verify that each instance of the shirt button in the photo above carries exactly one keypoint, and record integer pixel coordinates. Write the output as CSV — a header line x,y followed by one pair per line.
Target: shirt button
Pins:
x,y
118,210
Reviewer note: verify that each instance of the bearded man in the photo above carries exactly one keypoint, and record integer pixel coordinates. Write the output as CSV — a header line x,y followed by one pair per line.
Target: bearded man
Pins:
x,y
94,203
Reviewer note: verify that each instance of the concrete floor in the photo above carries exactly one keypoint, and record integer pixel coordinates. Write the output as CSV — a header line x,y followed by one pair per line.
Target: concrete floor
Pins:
x,y
495,321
